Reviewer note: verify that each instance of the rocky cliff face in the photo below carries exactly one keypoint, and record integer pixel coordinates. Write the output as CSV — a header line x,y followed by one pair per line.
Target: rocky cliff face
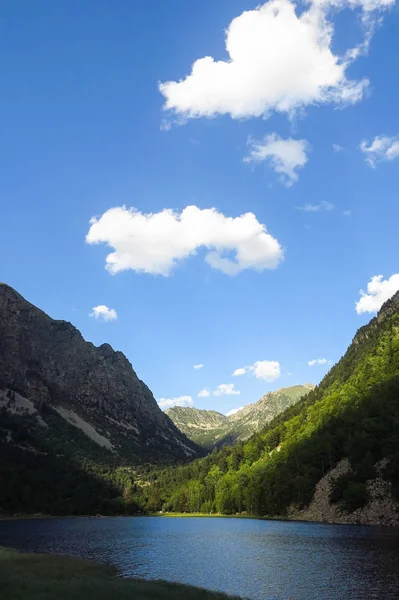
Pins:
x,y
209,428
51,366
381,508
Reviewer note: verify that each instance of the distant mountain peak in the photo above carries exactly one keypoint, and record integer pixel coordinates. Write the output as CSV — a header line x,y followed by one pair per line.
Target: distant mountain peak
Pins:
x,y
209,428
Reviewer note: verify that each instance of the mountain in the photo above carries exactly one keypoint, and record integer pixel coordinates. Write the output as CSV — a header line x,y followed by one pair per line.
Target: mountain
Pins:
x,y
204,427
208,428
63,397
333,456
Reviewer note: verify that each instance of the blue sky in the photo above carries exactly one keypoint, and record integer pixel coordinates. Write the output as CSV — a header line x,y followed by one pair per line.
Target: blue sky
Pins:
x,y
84,130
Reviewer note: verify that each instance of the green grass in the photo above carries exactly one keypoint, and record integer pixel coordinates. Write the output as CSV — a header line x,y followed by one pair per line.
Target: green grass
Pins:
x,y
49,577
207,515
222,516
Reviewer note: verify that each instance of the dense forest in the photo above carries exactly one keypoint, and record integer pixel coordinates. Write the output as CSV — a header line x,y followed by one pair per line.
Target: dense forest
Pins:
x,y
40,474
353,413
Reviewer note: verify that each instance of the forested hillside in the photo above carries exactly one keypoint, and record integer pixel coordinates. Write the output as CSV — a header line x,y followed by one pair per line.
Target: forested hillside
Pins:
x,y
353,413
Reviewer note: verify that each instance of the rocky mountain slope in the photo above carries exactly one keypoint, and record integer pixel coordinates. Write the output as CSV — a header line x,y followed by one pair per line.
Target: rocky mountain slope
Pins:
x,y
335,452
209,428
75,420
48,370
204,427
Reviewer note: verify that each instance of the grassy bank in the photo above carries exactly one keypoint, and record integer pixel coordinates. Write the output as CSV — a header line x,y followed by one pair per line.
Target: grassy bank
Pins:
x,y
221,516
208,516
48,577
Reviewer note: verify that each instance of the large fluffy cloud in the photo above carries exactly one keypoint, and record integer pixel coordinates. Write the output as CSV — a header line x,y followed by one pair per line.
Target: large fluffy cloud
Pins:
x,y
165,403
268,370
382,148
284,156
279,59
155,242
103,313
379,290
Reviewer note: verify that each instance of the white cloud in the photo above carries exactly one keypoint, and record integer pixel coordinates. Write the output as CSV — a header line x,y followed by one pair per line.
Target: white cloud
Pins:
x,y
319,361
379,290
278,60
316,207
233,411
347,213
337,148
165,403
200,366
103,313
367,6
226,389
284,156
204,393
155,242
382,148
268,370
165,125
238,372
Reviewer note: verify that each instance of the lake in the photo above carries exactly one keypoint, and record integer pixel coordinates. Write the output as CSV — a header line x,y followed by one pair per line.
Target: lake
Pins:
x,y
261,560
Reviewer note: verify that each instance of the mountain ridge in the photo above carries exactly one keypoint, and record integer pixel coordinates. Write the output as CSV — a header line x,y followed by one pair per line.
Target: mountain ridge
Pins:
x,y
49,363
209,429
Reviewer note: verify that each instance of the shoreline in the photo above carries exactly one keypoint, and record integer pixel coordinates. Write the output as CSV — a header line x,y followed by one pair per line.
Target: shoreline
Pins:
x,y
58,577
42,517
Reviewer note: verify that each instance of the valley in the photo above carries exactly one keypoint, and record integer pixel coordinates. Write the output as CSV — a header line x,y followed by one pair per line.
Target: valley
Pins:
x,y
78,416
211,429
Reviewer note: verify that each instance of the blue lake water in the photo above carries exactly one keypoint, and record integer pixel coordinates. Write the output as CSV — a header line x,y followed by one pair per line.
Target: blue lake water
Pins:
x,y
260,560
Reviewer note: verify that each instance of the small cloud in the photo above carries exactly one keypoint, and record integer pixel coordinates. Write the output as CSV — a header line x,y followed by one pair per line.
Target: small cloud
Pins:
x,y
103,313
382,148
226,389
165,403
285,157
379,290
289,374
233,411
319,361
337,148
200,366
316,207
238,372
347,213
268,370
165,125
204,393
